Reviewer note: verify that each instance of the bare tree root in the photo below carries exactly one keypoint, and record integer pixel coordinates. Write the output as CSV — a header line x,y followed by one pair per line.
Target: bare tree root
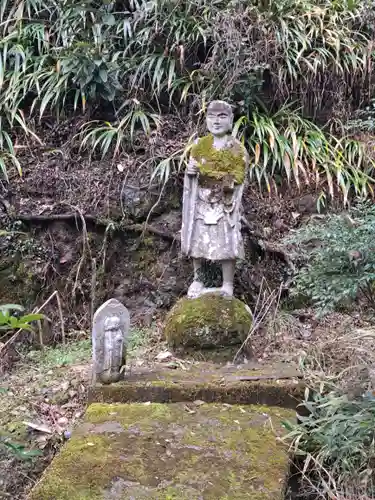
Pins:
x,y
266,246
143,228
72,217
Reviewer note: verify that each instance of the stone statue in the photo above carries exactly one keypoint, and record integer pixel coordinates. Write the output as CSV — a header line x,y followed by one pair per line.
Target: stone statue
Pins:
x,y
109,337
212,200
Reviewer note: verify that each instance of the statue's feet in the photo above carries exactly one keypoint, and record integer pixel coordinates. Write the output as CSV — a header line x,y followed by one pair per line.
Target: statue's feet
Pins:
x,y
227,289
195,289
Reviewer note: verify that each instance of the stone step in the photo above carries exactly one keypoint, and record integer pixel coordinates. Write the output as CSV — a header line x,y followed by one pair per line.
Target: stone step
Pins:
x,y
275,385
184,451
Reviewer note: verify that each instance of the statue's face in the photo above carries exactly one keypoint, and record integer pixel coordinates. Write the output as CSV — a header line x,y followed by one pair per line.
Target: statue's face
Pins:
x,y
112,323
219,123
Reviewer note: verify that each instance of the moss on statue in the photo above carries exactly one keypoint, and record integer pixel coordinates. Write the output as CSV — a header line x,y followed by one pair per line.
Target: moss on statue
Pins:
x,y
164,451
208,321
218,163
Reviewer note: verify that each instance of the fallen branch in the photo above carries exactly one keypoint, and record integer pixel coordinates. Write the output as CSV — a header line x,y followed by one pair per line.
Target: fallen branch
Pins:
x,y
74,217
149,228
254,378
57,217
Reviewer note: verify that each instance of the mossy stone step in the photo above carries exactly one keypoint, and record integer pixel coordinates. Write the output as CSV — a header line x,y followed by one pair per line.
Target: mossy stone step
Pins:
x,y
185,451
274,385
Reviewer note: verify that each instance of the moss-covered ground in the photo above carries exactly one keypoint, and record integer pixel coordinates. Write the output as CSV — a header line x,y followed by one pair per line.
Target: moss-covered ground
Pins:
x,y
171,451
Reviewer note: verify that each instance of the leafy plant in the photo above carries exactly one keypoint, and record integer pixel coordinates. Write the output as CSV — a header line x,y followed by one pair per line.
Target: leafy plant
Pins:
x,y
340,259
363,120
334,435
19,450
290,147
336,439
58,57
11,322
114,136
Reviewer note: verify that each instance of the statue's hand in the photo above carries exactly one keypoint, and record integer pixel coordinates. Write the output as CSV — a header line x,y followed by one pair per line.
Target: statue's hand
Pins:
x,y
192,168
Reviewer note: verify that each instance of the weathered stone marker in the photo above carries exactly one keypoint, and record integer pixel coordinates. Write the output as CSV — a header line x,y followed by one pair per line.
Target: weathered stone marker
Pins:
x,y
110,332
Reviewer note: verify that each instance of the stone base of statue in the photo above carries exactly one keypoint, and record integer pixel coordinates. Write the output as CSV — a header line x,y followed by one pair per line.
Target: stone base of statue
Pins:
x,y
210,321
197,289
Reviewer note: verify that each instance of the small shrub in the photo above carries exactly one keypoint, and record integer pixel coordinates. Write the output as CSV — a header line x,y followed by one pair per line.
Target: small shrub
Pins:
x,y
340,255
335,435
336,440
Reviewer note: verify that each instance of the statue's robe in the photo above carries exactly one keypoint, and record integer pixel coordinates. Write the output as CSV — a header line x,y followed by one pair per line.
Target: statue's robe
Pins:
x,y
211,221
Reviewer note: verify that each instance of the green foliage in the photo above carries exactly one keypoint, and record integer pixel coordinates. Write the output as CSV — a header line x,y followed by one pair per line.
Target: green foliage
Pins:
x,y
80,351
157,56
139,337
340,258
287,146
11,322
335,433
19,450
336,439
62,355
114,136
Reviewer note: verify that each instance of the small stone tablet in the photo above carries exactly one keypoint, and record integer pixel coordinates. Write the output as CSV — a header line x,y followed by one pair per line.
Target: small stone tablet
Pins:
x,y
110,333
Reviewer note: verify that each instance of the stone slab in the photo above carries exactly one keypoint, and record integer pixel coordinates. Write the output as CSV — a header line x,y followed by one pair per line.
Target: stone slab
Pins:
x,y
275,385
185,451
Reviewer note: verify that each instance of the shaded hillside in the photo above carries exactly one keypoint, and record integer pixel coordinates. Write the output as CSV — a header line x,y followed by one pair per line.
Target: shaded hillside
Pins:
x,y
99,100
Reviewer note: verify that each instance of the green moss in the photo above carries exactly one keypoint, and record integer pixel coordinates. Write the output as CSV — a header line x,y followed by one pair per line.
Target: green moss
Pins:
x,y
17,283
217,164
148,241
171,451
144,256
208,321
15,429
134,413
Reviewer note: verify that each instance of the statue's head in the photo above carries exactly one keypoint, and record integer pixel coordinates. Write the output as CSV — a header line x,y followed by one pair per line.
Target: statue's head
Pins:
x,y
111,323
219,118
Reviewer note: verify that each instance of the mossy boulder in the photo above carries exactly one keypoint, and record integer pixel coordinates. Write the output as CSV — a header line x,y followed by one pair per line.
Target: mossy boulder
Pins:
x,y
207,322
